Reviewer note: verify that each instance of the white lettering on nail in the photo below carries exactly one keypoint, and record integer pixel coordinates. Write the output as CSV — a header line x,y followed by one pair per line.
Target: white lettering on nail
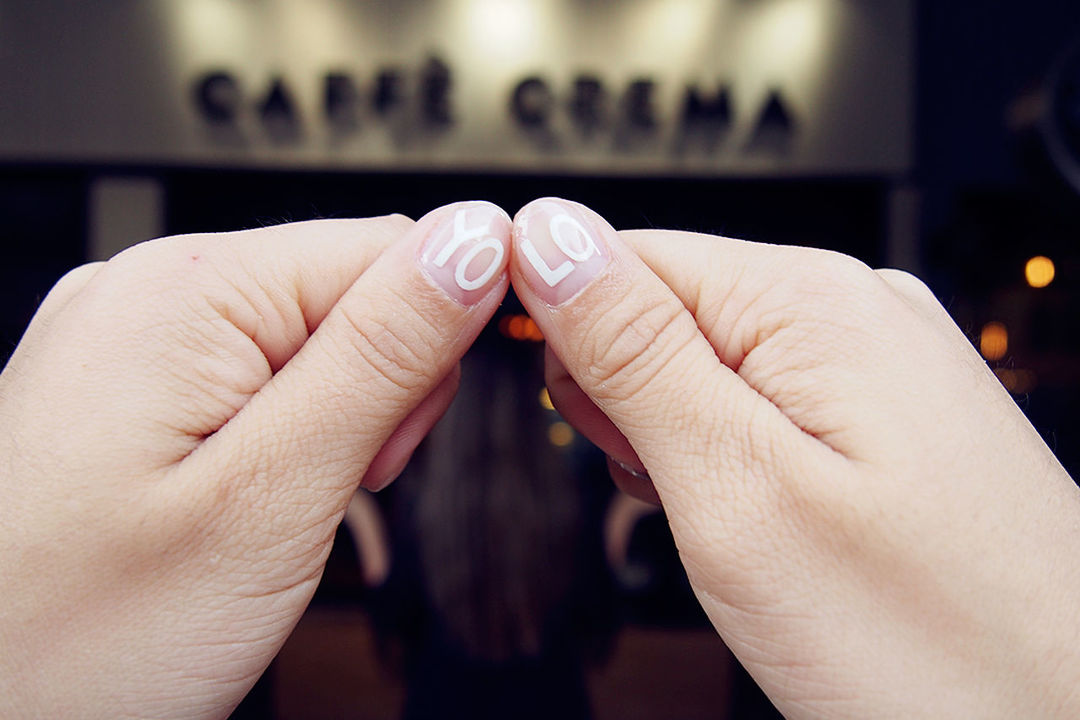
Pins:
x,y
551,276
461,236
488,243
574,241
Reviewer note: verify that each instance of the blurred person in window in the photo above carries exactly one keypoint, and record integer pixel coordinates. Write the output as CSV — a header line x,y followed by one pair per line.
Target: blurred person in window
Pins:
x,y
496,594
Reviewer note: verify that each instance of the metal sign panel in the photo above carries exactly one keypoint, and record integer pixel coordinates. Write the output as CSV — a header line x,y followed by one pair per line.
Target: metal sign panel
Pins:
x,y
717,87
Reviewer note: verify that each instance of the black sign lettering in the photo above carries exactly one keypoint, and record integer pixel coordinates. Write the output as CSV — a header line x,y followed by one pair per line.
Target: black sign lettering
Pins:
x,y
277,104
341,100
638,104
413,101
435,92
388,93
774,127
587,103
217,95
700,110
532,102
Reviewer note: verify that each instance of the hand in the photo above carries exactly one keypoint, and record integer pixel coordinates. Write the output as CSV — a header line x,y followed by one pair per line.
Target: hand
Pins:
x,y
867,518
181,430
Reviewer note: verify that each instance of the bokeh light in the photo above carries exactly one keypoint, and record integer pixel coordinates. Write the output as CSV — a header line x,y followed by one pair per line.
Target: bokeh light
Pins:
x,y
1039,271
1018,382
560,434
520,327
994,341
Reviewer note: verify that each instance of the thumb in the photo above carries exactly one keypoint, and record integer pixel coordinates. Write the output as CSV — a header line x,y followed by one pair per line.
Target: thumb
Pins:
x,y
389,344
634,348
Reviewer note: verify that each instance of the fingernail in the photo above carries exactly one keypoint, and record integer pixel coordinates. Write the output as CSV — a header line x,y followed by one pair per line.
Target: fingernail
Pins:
x,y
561,248
371,484
640,474
466,252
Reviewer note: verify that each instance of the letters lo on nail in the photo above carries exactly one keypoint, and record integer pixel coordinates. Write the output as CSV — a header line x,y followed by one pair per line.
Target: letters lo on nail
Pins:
x,y
571,239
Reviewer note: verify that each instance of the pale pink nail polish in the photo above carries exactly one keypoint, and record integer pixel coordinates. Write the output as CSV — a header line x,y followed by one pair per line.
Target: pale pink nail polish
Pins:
x,y
466,252
561,249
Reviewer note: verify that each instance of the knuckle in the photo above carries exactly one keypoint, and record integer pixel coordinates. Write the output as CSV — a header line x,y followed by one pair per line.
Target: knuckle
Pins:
x,y
400,352
168,267
900,277
816,287
76,276
72,283
910,287
397,221
624,357
906,282
386,229
834,275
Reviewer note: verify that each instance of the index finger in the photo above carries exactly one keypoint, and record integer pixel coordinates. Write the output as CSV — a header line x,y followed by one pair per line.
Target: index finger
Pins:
x,y
632,345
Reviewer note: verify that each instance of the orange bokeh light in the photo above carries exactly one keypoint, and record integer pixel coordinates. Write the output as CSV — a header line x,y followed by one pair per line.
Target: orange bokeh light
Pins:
x,y
994,341
520,327
1039,271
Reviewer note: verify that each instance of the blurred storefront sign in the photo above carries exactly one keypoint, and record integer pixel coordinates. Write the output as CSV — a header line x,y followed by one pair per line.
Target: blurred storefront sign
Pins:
x,y
725,87
533,105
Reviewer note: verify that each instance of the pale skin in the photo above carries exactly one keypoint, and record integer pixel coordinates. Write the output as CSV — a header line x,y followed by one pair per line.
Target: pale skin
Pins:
x,y
869,521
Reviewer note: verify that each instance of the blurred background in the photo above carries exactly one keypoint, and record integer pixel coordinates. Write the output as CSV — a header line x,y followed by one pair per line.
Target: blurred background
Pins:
x,y
938,137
